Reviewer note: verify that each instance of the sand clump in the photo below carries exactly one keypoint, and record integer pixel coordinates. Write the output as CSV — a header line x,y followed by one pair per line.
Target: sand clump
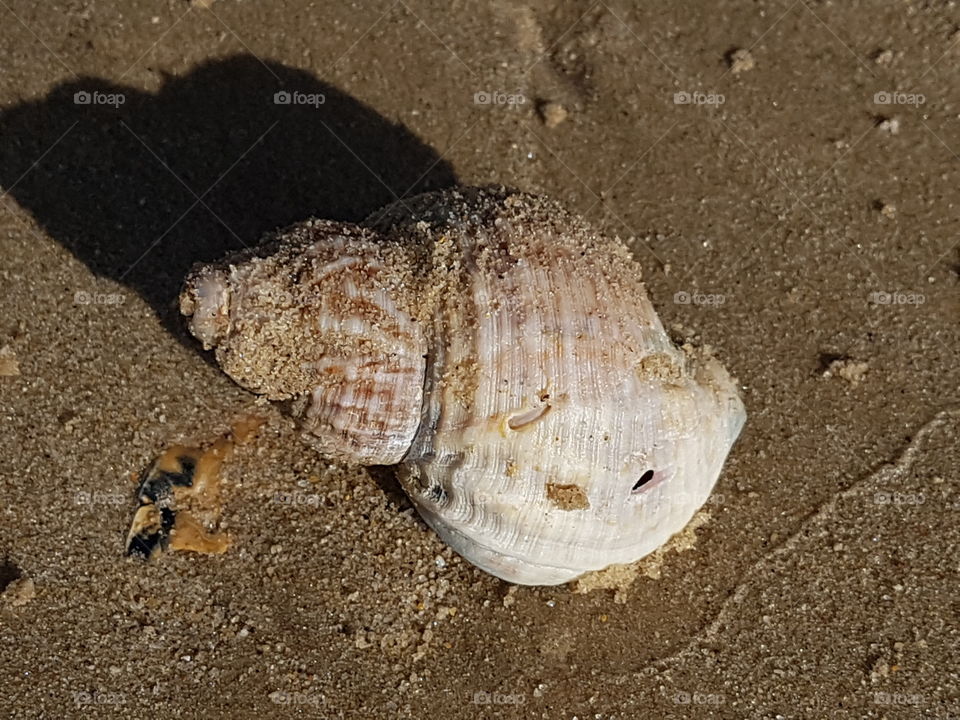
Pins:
x,y
620,578
853,371
740,60
8,362
553,114
19,592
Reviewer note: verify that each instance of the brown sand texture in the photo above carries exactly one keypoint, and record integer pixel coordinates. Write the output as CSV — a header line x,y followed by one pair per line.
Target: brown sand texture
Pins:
x,y
787,173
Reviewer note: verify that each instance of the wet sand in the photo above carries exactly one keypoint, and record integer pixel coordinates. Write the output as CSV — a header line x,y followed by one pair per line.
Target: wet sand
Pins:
x,y
794,206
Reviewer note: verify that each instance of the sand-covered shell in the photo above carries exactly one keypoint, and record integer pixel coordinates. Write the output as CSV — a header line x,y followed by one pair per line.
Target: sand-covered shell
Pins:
x,y
503,353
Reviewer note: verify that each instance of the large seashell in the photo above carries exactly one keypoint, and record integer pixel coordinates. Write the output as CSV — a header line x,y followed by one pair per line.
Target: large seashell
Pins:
x,y
503,353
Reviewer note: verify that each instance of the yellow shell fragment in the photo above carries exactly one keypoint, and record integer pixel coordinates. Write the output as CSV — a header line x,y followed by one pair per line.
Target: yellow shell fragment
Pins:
x,y
180,497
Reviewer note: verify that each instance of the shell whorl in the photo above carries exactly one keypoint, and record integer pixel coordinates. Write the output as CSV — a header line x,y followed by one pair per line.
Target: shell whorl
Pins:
x,y
321,317
556,391
499,349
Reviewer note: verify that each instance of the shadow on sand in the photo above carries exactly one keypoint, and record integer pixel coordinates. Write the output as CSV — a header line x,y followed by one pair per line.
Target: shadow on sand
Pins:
x,y
141,190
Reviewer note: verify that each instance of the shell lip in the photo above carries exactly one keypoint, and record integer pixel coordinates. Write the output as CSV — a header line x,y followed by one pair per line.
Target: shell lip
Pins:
x,y
511,568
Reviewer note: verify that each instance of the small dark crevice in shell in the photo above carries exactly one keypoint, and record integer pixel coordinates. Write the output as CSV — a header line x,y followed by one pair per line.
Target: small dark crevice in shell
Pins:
x,y
644,479
436,493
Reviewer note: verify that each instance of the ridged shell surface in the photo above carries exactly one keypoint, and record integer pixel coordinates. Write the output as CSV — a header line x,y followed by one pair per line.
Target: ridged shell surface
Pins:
x,y
563,430
499,349
317,316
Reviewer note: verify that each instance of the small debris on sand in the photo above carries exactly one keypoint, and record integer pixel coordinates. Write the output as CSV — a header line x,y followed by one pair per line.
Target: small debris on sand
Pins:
x,y
740,60
553,114
883,57
20,591
889,125
879,670
180,497
888,210
567,497
8,362
852,371
619,578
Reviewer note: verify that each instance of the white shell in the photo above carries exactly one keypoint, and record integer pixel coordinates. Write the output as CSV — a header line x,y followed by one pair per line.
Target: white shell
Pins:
x,y
544,386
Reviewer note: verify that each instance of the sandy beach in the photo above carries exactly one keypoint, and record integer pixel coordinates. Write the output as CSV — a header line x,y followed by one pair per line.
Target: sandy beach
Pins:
x,y
787,174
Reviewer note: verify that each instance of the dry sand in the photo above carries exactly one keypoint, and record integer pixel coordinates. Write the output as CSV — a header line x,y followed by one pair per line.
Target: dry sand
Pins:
x,y
803,227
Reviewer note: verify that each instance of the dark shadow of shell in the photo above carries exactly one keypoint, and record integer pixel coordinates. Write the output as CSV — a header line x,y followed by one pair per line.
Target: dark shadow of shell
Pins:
x,y
140,191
